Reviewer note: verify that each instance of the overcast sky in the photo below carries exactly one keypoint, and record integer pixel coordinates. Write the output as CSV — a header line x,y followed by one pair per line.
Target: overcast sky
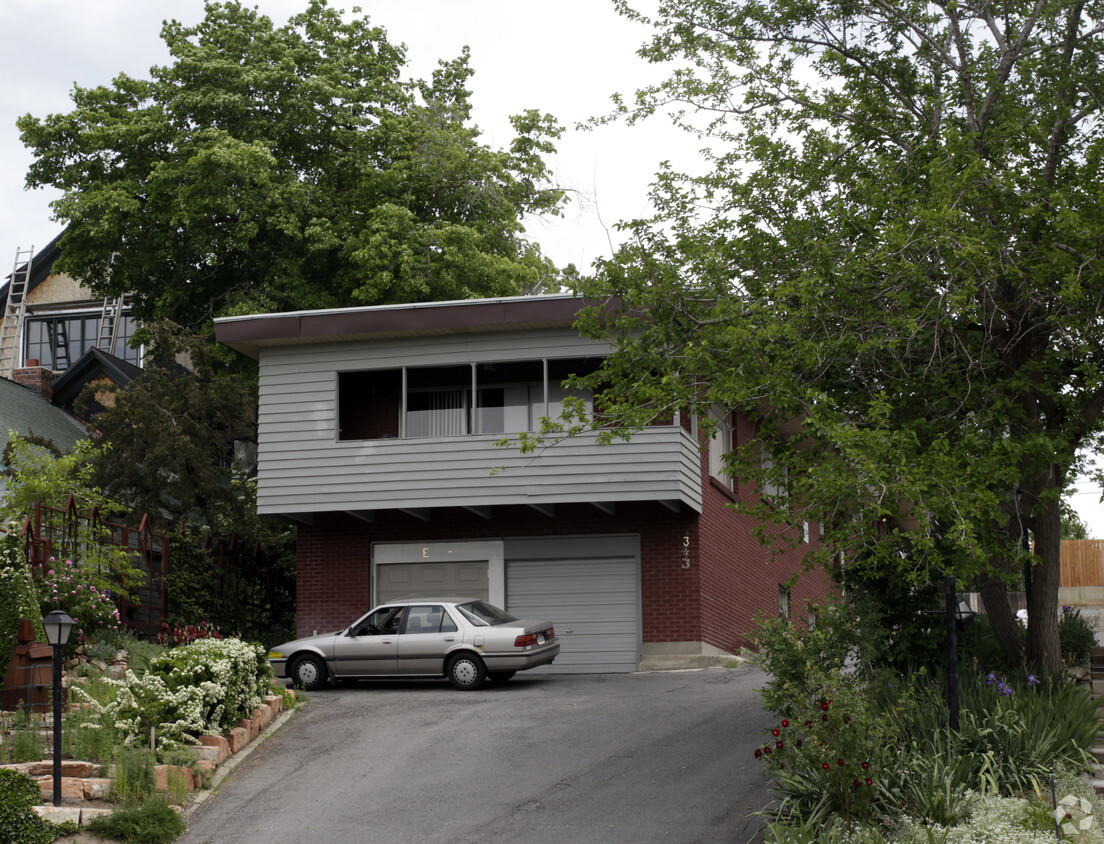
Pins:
x,y
566,58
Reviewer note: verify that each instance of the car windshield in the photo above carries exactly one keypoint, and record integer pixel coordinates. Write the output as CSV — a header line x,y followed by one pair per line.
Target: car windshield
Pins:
x,y
482,614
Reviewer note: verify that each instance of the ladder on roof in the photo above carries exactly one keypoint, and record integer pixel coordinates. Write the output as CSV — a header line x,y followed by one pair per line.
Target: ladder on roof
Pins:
x,y
14,309
110,319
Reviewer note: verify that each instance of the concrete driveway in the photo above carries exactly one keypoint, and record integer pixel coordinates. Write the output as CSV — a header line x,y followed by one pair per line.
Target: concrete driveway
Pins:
x,y
663,756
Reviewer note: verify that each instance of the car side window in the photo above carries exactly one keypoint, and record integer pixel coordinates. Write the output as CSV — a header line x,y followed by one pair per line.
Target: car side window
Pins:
x,y
425,619
447,624
382,622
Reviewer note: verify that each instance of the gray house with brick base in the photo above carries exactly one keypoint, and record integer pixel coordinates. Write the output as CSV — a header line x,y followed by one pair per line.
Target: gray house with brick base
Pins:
x,y
377,435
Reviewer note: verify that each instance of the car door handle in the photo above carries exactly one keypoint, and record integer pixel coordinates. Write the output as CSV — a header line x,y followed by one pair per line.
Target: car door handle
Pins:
x,y
450,638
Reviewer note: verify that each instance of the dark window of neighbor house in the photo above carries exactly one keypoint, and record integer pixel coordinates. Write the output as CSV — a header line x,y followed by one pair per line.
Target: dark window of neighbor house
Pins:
x,y
368,404
58,341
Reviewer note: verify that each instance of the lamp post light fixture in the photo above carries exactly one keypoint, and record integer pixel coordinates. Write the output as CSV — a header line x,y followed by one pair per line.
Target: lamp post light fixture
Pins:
x,y
58,626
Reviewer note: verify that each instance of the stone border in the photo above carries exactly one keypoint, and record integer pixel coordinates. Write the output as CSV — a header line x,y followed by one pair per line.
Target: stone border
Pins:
x,y
86,781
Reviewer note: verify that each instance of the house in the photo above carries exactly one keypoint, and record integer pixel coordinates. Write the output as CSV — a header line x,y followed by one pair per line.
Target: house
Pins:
x,y
378,432
61,319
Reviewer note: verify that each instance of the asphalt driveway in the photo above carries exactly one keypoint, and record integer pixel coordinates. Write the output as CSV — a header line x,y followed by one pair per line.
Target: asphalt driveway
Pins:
x,y
664,756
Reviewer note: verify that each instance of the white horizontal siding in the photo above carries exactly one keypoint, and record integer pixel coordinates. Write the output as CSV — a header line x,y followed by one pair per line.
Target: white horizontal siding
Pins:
x,y
659,464
303,468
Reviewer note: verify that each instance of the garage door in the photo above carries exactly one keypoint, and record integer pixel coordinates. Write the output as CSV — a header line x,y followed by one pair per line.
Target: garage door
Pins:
x,y
438,580
589,588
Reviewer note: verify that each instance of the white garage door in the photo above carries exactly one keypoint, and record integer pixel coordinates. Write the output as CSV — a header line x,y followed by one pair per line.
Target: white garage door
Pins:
x,y
437,580
588,587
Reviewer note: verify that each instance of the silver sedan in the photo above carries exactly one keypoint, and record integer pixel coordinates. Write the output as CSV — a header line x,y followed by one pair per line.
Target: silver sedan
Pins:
x,y
464,639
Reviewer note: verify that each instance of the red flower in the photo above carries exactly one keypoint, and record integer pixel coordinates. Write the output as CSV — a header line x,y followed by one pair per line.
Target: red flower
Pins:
x,y
774,733
824,717
785,723
778,744
799,742
824,706
808,723
857,783
825,766
839,762
767,751
865,766
869,781
758,752
781,764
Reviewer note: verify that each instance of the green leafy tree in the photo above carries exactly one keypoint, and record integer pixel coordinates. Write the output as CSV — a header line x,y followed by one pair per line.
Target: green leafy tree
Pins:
x,y
895,249
170,434
272,168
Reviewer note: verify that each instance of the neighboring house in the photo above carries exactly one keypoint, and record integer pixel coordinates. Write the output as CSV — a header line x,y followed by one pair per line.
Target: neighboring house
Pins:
x,y
62,319
378,431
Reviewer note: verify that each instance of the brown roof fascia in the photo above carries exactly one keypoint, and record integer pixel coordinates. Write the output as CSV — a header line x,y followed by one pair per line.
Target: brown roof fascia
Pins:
x,y
248,334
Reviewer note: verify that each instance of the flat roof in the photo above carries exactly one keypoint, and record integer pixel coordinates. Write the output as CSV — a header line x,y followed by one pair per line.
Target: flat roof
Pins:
x,y
248,334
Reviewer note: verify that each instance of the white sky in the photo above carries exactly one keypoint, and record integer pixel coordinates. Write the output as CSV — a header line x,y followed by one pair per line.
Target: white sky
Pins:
x,y
566,58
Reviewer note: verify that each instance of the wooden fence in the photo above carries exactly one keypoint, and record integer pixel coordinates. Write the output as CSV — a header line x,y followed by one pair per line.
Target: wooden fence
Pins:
x,y
1082,563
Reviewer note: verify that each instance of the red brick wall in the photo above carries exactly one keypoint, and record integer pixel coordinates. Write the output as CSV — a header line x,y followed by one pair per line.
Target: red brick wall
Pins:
x,y
739,576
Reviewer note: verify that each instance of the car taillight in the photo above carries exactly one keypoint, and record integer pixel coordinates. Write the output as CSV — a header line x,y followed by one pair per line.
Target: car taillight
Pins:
x,y
550,633
526,640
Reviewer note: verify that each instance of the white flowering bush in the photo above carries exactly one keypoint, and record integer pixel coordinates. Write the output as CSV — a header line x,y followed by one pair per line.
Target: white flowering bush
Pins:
x,y
205,687
238,669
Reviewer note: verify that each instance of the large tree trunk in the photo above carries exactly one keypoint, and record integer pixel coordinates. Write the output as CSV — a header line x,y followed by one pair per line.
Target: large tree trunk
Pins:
x,y
1043,651
994,592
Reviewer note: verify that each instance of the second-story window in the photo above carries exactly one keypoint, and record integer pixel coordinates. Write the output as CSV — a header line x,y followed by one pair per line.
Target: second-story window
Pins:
x,y
57,341
451,401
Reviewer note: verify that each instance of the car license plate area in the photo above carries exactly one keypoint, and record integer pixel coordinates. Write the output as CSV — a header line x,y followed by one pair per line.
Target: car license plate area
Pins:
x,y
540,639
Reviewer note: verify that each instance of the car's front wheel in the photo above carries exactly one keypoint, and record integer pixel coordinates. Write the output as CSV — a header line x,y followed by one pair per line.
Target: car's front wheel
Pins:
x,y
466,672
309,672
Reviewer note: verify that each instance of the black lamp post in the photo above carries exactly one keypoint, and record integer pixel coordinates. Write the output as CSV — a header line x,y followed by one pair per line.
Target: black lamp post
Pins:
x,y
58,625
957,612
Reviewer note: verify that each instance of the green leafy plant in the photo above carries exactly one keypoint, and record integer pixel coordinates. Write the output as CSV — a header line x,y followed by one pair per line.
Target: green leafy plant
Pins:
x,y
800,660
1076,636
132,774
18,822
16,583
151,821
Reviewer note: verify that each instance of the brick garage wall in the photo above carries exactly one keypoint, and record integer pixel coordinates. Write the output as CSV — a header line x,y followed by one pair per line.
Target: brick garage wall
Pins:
x,y
334,558
739,577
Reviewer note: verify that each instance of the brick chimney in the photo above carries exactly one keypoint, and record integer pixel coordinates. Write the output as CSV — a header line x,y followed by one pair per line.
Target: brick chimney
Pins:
x,y
38,378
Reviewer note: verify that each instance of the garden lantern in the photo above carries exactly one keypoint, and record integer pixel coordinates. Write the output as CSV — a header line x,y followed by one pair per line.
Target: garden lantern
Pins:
x,y
58,626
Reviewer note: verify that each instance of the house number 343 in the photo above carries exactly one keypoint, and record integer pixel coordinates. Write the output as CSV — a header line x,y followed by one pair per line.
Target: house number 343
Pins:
x,y
686,552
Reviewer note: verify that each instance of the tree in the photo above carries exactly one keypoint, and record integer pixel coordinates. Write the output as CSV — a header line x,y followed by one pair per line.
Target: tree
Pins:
x,y
896,247
167,439
272,168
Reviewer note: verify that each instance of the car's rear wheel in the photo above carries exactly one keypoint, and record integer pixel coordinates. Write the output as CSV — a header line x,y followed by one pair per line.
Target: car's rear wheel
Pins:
x,y
309,672
501,676
467,672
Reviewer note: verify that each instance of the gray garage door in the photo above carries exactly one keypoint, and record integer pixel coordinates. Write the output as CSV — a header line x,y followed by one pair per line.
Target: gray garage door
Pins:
x,y
438,580
589,588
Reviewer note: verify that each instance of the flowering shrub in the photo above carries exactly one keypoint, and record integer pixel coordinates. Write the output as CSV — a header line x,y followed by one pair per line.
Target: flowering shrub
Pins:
x,y
184,634
82,593
826,759
204,687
